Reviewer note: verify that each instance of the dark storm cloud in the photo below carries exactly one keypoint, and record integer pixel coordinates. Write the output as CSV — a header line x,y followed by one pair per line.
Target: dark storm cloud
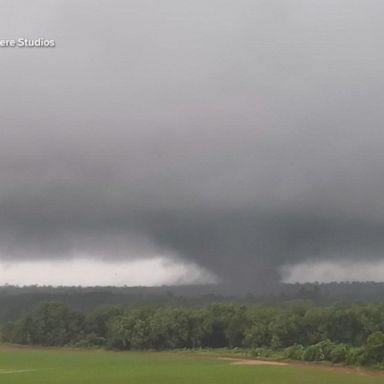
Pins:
x,y
241,135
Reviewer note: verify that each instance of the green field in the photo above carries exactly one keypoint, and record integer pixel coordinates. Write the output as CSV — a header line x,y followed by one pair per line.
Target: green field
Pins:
x,y
40,366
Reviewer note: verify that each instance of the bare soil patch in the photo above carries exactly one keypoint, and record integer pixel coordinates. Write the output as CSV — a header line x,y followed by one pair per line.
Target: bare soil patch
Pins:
x,y
327,367
7,371
235,361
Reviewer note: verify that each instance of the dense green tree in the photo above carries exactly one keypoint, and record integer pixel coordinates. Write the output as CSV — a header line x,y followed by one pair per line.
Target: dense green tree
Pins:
x,y
350,333
374,348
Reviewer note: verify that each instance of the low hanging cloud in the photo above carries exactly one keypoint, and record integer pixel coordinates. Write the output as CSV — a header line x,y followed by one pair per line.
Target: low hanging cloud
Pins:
x,y
90,272
240,137
330,271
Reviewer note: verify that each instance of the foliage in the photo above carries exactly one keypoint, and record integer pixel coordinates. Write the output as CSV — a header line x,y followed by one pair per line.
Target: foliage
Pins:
x,y
351,334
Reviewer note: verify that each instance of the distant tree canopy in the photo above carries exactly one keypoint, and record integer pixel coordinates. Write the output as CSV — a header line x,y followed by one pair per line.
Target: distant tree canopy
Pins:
x,y
16,301
349,333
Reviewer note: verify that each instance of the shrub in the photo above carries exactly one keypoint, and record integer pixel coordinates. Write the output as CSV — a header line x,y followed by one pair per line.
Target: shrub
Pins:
x,y
355,356
339,353
319,352
295,352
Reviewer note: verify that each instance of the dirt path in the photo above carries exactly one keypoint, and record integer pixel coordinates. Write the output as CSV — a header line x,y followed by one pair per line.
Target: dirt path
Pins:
x,y
235,361
7,371
327,367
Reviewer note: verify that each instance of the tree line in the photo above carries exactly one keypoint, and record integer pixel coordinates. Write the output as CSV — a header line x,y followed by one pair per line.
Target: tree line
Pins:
x,y
15,300
352,334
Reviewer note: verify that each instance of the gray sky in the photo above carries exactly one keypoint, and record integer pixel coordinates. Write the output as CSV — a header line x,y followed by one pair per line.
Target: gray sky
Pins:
x,y
239,136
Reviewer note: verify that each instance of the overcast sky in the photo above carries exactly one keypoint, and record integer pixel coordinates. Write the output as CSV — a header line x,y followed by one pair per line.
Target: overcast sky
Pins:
x,y
240,138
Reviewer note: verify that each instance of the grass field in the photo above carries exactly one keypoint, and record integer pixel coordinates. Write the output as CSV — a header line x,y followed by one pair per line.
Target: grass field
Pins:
x,y
51,366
